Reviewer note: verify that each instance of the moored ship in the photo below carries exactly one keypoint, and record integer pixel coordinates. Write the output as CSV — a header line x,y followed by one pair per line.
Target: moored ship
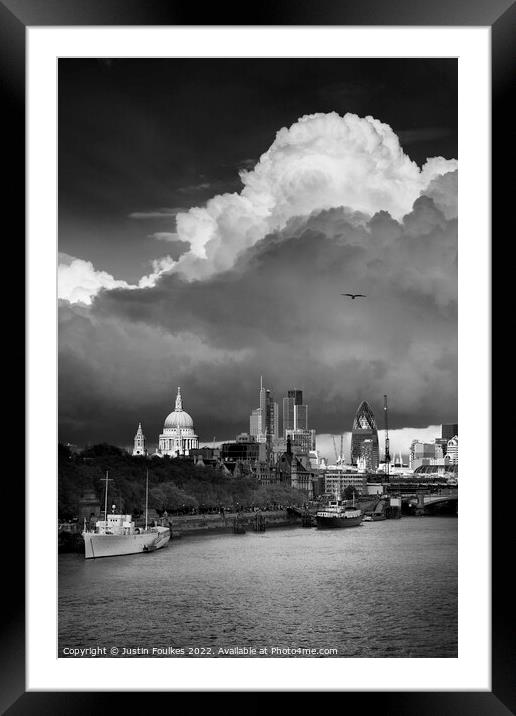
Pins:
x,y
336,515
117,534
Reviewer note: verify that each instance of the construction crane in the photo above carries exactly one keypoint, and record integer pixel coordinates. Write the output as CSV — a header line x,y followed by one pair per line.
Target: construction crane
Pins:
x,y
342,449
387,459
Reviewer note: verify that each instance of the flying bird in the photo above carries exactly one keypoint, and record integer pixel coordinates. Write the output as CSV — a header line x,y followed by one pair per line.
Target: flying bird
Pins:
x,y
354,295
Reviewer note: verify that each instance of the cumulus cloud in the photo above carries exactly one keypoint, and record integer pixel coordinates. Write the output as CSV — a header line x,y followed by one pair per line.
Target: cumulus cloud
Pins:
x,y
159,267
444,192
321,161
79,282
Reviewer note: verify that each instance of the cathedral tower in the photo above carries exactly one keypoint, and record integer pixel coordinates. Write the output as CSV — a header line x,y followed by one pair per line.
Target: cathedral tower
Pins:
x,y
140,443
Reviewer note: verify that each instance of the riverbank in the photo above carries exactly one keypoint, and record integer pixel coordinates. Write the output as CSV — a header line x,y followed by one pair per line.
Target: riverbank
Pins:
x,y
205,524
70,538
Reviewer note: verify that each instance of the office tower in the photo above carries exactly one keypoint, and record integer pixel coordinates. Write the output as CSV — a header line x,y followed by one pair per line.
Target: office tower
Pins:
x,y
288,414
263,408
264,421
364,428
255,423
271,423
296,395
300,417
295,413
367,455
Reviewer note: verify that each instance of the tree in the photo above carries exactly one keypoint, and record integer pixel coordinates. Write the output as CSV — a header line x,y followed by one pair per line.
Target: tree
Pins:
x,y
103,450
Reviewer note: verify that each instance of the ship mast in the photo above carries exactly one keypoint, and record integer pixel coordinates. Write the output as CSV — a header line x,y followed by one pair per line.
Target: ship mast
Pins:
x,y
105,498
146,498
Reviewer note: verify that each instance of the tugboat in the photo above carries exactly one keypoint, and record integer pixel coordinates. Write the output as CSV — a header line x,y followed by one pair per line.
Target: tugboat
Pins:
x,y
117,534
337,514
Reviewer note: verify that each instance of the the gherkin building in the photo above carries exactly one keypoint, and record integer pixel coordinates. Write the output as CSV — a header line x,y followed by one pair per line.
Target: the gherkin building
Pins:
x,y
364,429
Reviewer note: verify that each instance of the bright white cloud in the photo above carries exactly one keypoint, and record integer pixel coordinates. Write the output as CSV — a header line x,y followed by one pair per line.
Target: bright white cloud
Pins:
x,y
79,282
159,266
320,162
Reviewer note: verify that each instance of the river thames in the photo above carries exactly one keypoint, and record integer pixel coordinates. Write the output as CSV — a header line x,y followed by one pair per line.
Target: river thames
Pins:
x,y
384,589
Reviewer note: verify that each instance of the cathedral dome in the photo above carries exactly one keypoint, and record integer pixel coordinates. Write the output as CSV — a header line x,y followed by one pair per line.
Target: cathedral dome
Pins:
x,y
178,418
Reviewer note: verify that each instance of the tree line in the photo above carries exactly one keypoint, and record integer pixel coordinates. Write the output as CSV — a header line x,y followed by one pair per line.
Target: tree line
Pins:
x,y
175,485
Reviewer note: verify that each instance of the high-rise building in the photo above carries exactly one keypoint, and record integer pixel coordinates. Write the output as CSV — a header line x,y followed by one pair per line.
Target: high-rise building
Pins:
x,y
255,423
295,422
295,412
300,417
264,421
449,431
288,414
291,404
271,417
297,396
367,456
263,409
364,428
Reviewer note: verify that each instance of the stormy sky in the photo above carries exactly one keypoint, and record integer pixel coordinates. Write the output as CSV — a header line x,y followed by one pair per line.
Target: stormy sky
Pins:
x,y
212,211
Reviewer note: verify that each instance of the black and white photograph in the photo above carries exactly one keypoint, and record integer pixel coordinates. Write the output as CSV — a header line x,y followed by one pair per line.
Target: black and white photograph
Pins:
x,y
257,358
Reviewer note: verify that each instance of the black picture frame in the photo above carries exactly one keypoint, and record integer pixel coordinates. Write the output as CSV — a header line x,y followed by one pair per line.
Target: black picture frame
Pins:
x,y
15,17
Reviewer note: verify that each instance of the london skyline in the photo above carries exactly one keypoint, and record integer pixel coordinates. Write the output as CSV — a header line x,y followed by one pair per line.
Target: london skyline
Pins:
x,y
152,174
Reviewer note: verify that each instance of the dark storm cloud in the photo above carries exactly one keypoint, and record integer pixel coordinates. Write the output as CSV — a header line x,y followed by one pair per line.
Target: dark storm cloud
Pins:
x,y
162,213
422,134
278,313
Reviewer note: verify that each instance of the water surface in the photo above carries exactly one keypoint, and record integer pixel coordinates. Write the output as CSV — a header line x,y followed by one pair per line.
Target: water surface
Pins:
x,y
384,589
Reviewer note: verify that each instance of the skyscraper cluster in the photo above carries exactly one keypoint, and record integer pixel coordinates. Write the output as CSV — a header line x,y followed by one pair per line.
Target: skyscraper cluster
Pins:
x,y
264,422
281,447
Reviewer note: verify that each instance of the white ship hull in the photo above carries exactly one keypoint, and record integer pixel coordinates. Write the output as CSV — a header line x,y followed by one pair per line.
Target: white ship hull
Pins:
x,y
112,545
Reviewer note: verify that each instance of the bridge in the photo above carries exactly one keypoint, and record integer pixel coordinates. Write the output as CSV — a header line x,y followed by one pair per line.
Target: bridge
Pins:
x,y
421,501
